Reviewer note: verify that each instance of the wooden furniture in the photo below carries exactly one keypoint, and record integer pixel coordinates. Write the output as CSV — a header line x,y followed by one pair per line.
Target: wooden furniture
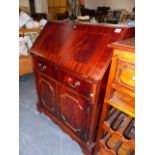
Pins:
x,y
22,31
25,65
71,63
117,124
25,62
56,7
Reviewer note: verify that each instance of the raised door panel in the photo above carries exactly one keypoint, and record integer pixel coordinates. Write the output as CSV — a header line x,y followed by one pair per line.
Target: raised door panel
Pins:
x,y
74,111
47,93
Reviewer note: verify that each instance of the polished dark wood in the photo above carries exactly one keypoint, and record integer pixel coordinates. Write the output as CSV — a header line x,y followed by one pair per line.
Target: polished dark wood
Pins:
x,y
71,64
116,133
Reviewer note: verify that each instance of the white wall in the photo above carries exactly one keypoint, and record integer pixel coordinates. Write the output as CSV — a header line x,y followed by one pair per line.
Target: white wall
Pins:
x,y
41,6
114,4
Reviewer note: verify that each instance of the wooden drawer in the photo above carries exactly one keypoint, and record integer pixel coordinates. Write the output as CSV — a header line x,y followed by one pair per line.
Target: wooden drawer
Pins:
x,y
44,67
125,74
76,83
79,85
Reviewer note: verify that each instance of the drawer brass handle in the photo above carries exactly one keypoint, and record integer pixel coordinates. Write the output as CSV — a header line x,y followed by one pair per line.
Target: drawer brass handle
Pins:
x,y
69,79
77,84
91,95
42,67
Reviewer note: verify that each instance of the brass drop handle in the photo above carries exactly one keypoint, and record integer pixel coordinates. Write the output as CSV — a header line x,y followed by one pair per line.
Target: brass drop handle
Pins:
x,y
77,84
42,67
69,79
70,82
91,95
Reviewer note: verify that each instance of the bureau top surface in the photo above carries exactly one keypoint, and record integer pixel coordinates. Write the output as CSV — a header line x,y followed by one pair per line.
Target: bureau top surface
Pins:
x,y
127,44
79,48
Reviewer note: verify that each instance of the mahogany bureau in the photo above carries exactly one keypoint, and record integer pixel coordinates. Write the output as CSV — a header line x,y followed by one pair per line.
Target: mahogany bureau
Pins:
x,y
71,62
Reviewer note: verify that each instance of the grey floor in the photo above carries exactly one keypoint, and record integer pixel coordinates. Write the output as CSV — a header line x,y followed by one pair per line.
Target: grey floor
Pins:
x,y
38,135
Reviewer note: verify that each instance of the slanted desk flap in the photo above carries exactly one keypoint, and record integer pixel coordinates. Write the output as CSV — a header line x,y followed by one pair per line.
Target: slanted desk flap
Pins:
x,y
52,39
80,48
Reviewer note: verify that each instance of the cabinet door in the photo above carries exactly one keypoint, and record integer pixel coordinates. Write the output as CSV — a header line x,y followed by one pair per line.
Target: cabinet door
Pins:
x,y
47,92
74,112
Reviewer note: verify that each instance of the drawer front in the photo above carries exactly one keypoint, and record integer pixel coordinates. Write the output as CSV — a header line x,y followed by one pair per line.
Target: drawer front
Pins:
x,y
85,88
125,74
44,67
79,85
